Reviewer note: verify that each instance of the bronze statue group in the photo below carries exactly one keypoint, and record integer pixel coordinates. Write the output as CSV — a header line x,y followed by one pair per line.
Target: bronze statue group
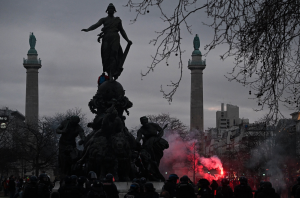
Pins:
x,y
110,147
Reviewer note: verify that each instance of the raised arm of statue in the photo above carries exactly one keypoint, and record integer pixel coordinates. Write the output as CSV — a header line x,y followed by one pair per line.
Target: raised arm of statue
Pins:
x,y
95,26
161,130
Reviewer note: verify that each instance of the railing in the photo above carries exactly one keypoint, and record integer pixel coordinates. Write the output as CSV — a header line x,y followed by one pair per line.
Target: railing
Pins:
x,y
202,62
26,61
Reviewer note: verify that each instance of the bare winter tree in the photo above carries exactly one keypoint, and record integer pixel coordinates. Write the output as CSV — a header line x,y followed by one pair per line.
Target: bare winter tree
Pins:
x,y
263,37
174,124
33,147
7,147
36,145
59,117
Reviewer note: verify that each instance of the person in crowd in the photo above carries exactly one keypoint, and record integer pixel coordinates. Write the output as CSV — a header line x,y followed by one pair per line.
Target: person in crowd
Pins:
x,y
261,183
92,176
31,189
267,191
278,187
19,189
205,191
137,181
5,186
44,186
12,186
150,191
80,183
214,186
184,189
73,180
69,190
170,185
97,190
243,190
134,191
224,191
110,187
295,187
142,183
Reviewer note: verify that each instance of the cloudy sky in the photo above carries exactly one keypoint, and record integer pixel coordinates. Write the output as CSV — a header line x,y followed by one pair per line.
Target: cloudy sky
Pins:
x,y
71,61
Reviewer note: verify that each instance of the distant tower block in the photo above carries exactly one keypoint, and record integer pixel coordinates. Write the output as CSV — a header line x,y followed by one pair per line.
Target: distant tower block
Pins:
x,y
32,64
196,65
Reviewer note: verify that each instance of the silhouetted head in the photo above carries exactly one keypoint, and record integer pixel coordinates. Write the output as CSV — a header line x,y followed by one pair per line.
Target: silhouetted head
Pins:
x,y
111,9
143,180
243,180
92,175
33,179
134,187
144,120
224,182
267,184
149,187
109,177
74,119
173,177
184,179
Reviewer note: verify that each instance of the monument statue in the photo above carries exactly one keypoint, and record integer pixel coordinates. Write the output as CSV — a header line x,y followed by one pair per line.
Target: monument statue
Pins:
x,y
32,41
111,51
110,147
196,42
68,154
153,144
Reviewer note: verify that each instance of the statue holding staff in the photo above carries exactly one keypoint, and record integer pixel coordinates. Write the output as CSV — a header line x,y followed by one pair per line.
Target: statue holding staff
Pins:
x,y
111,52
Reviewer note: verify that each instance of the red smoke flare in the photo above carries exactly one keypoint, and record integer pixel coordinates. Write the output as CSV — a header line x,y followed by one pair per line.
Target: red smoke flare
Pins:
x,y
182,158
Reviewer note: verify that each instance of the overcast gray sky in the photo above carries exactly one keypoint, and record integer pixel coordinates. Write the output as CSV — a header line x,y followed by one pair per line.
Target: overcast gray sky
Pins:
x,y
71,61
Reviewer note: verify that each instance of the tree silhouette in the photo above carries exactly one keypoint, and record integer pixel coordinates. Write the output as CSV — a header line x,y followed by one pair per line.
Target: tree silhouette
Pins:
x,y
262,36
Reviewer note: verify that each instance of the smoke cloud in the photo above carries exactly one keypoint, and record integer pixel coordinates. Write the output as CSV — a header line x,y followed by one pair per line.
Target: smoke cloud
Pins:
x,y
182,158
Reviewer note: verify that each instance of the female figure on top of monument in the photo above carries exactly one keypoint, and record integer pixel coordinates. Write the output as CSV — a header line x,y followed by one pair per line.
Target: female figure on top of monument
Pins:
x,y
111,51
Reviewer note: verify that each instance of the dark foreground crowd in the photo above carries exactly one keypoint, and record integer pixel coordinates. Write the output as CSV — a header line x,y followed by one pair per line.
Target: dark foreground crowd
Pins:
x,y
91,187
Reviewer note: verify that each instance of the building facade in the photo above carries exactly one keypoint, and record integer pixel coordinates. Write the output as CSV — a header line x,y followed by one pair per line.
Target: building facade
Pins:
x,y
229,117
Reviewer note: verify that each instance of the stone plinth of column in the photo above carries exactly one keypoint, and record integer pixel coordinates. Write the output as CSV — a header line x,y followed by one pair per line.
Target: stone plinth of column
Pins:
x,y
196,65
32,64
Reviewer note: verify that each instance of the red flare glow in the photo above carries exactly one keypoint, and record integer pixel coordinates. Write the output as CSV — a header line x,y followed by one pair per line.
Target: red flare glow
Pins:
x,y
189,162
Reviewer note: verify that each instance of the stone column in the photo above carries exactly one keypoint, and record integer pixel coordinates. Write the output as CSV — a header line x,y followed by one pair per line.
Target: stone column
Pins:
x,y
32,64
196,65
